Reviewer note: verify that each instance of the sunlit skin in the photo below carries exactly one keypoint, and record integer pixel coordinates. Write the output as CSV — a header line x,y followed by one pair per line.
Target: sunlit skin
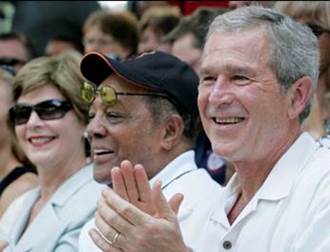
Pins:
x,y
124,131
96,40
248,118
54,146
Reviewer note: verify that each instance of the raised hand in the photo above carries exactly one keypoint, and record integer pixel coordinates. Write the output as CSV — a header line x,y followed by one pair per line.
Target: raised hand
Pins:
x,y
137,218
132,184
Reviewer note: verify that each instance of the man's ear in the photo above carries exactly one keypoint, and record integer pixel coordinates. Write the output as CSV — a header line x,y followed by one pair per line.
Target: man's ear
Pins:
x,y
172,131
300,93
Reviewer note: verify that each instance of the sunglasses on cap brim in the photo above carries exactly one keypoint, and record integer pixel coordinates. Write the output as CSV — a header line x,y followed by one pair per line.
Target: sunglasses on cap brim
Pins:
x,y
109,95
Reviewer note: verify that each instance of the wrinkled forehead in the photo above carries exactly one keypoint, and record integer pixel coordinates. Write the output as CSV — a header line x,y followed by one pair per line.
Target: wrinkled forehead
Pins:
x,y
248,47
249,37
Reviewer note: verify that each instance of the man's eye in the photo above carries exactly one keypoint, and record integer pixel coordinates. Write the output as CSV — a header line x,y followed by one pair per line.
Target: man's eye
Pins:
x,y
113,117
91,116
207,80
240,79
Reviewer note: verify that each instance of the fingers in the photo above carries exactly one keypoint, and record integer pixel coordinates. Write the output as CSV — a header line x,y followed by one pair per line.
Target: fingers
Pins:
x,y
101,242
118,183
175,202
126,210
165,210
132,184
143,185
127,170
109,222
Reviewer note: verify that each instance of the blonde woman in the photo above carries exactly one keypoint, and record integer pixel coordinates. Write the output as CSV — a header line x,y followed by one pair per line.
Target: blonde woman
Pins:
x,y
49,120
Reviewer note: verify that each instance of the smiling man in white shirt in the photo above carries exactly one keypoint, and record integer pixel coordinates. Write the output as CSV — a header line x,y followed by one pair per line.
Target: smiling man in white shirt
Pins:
x,y
259,71
144,110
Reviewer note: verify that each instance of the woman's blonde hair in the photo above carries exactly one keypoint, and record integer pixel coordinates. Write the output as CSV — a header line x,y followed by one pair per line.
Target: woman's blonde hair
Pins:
x,y
61,71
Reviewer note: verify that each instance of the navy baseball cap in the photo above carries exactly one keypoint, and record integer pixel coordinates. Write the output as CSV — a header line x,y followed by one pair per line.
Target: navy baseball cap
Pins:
x,y
158,71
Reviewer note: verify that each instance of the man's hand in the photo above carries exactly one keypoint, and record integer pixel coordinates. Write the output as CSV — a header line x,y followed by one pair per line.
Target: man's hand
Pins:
x,y
131,183
3,245
133,217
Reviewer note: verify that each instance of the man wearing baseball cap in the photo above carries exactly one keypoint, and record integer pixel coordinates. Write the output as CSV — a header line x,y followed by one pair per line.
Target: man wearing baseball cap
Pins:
x,y
142,114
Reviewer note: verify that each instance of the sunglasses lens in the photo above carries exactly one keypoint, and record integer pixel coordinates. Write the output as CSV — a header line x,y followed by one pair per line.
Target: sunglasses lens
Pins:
x,y
52,109
47,110
88,92
108,95
20,114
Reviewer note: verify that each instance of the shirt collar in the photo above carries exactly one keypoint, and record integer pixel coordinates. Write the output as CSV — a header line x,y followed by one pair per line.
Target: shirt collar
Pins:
x,y
283,174
73,184
176,168
280,180
278,183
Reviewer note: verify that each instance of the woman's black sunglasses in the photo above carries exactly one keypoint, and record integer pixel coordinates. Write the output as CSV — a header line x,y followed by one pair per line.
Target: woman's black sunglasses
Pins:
x,y
46,110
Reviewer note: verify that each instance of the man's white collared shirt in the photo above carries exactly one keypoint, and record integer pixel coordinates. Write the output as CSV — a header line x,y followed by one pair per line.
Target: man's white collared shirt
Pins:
x,y
289,213
180,176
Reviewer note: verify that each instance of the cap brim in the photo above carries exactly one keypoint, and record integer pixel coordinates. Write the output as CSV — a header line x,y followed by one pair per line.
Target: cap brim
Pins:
x,y
96,67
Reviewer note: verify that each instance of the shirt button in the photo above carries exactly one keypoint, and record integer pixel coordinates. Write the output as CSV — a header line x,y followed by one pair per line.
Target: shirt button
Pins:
x,y
227,245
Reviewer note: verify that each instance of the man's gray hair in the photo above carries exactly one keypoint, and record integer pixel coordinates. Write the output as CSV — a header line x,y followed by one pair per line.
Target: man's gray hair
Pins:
x,y
162,108
294,49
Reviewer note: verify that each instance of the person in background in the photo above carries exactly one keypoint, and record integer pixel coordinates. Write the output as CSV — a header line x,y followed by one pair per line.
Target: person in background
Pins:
x,y
252,101
144,110
187,40
138,8
42,20
17,174
156,22
16,50
239,4
59,44
113,34
49,119
316,15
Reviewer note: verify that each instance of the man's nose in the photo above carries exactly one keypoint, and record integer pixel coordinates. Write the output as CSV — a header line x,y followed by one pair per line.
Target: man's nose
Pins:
x,y
221,92
95,128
